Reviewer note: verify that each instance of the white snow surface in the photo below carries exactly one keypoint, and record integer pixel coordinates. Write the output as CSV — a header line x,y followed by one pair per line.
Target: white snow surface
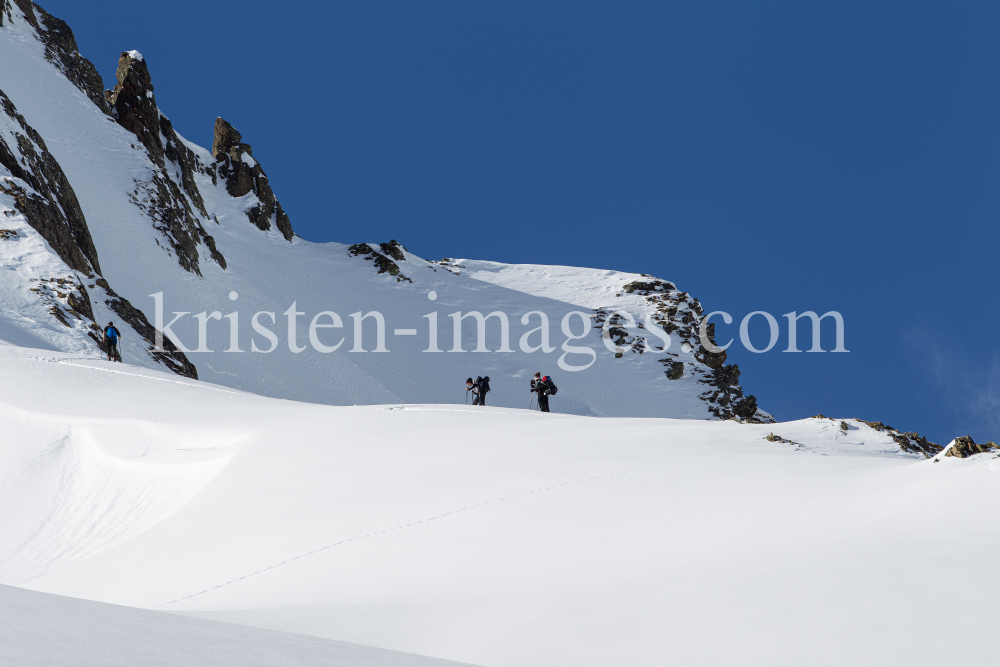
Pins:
x,y
589,288
135,55
494,536
43,629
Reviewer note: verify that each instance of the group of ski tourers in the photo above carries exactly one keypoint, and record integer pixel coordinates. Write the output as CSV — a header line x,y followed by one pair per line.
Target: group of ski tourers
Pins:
x,y
543,386
478,388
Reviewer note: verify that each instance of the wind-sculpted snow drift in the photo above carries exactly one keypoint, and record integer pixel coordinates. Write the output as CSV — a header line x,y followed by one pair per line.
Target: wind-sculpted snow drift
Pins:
x,y
204,232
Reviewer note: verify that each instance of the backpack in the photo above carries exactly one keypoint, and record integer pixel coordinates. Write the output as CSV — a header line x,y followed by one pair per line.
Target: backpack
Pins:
x,y
112,335
485,384
551,385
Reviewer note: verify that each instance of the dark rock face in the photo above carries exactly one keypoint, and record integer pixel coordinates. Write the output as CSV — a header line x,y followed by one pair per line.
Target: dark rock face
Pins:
x,y
914,443
67,299
226,138
51,208
235,164
616,331
171,357
965,447
910,442
675,369
161,199
679,315
60,49
649,287
383,263
713,360
393,249
133,106
176,152
746,408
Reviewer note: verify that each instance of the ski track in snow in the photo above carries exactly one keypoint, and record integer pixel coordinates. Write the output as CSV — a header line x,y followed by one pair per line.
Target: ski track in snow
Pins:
x,y
417,523
426,408
145,377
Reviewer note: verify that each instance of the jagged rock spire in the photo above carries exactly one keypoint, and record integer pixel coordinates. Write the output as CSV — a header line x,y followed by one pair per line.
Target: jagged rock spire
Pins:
x,y
133,104
226,138
234,163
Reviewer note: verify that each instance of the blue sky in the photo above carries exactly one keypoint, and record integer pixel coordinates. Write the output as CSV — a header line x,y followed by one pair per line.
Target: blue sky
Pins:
x,y
764,156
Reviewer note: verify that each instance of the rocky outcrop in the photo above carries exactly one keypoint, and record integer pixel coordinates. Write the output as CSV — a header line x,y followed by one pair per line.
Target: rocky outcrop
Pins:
x,y
242,174
675,369
60,48
161,200
133,103
170,357
382,261
172,207
714,360
66,299
964,446
649,287
679,315
44,195
393,249
910,442
177,153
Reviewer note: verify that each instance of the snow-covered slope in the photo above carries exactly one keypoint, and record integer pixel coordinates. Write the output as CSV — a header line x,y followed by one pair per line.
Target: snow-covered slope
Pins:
x,y
495,536
42,629
204,229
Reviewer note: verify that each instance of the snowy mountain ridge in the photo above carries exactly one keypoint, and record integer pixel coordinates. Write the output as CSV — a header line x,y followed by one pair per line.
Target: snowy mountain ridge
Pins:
x,y
203,230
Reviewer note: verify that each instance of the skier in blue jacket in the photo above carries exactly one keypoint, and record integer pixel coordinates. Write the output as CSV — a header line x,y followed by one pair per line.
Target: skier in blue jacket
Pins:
x,y
112,337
